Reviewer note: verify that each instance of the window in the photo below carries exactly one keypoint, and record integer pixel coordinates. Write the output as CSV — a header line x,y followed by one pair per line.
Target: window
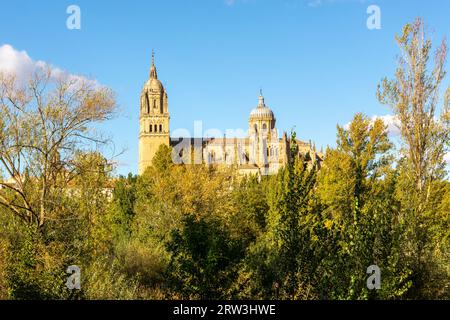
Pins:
x,y
156,128
160,128
154,103
256,127
264,127
151,127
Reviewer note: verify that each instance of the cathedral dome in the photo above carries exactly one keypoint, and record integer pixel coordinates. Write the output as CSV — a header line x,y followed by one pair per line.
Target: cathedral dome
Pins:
x,y
154,84
261,111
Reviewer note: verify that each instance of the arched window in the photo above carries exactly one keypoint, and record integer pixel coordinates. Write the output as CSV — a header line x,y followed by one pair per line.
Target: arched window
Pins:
x,y
160,128
147,103
256,127
154,103
151,127
264,127
156,128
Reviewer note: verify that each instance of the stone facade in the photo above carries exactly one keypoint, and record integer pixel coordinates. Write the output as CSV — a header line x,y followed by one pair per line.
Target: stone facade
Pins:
x,y
262,152
153,120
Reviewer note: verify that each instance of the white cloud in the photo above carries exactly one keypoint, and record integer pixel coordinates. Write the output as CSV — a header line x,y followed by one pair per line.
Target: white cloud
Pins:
x,y
391,121
17,62
393,126
20,64
447,158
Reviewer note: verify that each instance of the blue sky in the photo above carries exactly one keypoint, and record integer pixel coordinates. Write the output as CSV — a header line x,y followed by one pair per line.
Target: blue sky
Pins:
x,y
315,60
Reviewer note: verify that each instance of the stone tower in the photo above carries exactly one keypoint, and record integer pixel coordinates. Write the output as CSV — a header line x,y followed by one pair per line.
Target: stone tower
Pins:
x,y
153,119
262,132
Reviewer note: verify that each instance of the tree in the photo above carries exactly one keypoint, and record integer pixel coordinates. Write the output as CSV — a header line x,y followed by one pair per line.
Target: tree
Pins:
x,y
203,260
414,97
361,157
124,199
359,223
43,124
280,262
54,194
251,207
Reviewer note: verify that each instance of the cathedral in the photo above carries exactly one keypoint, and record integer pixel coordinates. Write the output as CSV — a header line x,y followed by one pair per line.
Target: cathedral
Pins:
x,y
262,152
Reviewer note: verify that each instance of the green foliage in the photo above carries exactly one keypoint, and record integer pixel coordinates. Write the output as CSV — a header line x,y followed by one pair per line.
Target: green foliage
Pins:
x,y
361,218
162,161
124,198
251,207
289,226
203,260
206,232
105,281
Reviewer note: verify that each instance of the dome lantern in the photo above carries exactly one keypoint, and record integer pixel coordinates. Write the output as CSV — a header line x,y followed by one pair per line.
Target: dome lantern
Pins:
x,y
261,112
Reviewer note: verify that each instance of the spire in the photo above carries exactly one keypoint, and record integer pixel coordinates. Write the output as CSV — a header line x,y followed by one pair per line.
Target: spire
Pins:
x,y
153,73
261,103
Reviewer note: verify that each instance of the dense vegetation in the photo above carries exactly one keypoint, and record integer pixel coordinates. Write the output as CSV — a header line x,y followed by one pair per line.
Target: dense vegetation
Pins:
x,y
203,232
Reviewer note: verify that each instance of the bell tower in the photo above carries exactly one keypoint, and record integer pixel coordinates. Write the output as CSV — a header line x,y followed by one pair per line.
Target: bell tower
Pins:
x,y
153,119
262,133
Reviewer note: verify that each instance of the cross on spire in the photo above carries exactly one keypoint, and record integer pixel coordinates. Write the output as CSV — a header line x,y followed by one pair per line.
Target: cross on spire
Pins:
x,y
261,99
153,74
